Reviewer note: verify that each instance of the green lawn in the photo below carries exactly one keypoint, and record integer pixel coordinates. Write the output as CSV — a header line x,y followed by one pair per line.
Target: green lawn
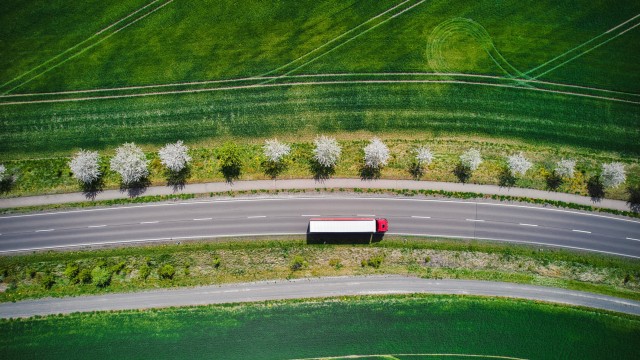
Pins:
x,y
178,41
338,327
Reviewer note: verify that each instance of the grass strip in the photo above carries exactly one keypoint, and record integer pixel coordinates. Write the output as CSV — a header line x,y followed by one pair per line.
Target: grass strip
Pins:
x,y
125,269
378,326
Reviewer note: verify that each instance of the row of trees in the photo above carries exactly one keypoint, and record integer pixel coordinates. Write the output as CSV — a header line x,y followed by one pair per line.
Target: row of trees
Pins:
x,y
132,166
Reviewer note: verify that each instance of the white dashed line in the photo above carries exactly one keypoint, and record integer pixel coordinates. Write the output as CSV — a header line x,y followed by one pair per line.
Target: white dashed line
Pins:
x,y
421,217
523,224
627,239
311,215
149,222
475,220
45,230
255,217
202,219
365,215
582,231
96,226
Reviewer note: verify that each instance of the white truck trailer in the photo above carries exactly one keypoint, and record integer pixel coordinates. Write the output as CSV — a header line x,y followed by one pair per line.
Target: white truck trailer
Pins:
x,y
347,225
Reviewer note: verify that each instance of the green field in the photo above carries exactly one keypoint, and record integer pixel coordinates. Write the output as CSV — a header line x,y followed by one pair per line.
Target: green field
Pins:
x,y
545,73
333,328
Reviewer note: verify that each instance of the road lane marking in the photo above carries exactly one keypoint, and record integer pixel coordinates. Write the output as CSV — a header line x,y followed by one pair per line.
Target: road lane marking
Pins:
x,y
517,241
311,215
149,222
582,231
523,224
202,219
257,216
45,230
627,239
421,217
365,215
475,220
96,226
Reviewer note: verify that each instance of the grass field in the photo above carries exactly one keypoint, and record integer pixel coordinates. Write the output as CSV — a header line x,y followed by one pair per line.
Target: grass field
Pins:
x,y
218,262
544,73
335,328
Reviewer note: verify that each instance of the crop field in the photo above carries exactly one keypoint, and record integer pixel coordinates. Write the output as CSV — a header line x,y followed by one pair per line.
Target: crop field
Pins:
x,y
407,327
95,74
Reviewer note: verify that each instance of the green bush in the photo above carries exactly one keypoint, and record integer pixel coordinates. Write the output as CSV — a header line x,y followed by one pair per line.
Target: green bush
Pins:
x,y
230,159
84,276
336,264
101,276
144,272
117,268
216,262
71,272
167,271
47,281
374,262
297,263
30,272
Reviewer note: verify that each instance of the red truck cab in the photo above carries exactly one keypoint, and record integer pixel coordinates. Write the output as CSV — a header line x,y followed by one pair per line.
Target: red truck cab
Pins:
x,y
382,225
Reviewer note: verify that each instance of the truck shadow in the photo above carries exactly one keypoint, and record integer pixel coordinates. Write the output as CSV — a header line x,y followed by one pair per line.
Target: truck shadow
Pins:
x,y
333,238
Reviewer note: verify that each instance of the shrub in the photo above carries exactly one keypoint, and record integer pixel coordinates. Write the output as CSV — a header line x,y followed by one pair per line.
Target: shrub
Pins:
x,y
275,151
376,154
216,262
506,178
565,168
613,174
30,272
327,151
84,276
71,271
463,173
230,161
336,264
471,159
373,262
85,166
634,197
100,276
144,272
518,164
117,268
166,271
131,163
174,156
47,281
297,263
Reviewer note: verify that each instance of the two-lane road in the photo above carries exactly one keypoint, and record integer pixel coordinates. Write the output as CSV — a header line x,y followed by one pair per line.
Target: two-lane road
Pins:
x,y
290,215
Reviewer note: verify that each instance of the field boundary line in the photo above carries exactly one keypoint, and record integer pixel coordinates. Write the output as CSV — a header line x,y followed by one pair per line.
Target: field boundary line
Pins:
x,y
387,356
78,44
336,82
578,47
355,37
586,51
334,39
481,76
89,47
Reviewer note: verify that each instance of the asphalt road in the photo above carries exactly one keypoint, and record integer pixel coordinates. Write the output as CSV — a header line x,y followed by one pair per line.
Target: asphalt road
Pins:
x,y
310,288
290,215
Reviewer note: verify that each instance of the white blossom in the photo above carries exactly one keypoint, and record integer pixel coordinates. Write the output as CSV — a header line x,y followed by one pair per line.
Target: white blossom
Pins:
x,y
84,166
3,172
376,154
130,163
423,155
174,156
327,151
565,168
471,159
613,174
275,150
518,164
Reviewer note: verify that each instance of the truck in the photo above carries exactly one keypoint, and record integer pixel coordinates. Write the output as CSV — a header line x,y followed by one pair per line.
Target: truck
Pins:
x,y
347,225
